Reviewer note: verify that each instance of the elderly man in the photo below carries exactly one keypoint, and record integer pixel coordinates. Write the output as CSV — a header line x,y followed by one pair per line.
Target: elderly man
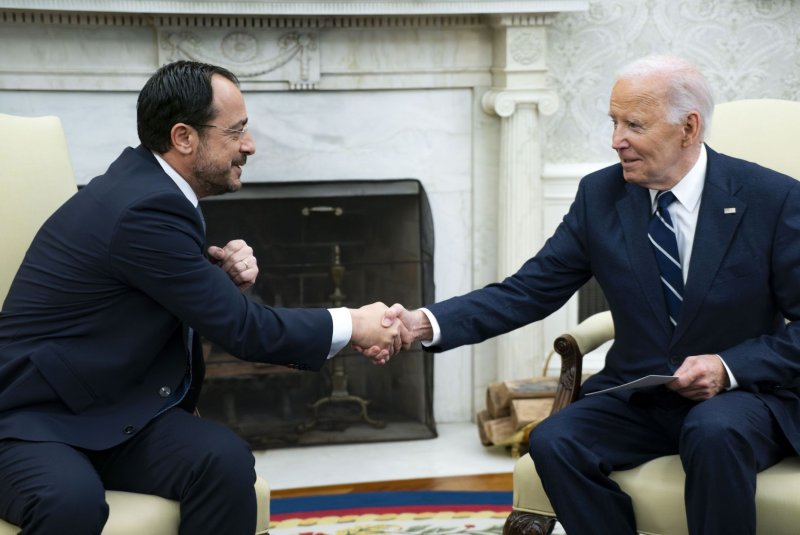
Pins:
x,y
100,359
697,255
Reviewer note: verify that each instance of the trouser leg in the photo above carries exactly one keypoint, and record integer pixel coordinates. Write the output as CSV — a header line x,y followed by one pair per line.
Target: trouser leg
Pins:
x,y
725,442
200,463
577,448
48,487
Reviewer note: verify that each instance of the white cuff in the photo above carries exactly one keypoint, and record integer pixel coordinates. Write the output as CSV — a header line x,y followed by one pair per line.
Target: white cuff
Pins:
x,y
342,329
734,383
437,331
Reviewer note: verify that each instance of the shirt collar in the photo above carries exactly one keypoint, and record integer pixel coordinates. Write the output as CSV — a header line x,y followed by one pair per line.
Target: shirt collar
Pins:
x,y
184,186
689,189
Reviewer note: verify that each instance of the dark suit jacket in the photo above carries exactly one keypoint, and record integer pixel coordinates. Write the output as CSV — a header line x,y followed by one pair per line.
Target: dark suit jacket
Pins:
x,y
744,278
91,328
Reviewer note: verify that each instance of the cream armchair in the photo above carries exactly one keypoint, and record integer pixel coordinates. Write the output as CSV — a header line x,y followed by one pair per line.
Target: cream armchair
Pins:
x,y
36,177
764,131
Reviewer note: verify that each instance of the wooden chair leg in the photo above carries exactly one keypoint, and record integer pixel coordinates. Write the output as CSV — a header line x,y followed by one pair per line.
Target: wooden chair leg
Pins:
x,y
521,523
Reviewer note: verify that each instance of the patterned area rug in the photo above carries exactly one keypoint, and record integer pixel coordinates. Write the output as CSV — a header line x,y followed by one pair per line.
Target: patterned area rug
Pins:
x,y
418,513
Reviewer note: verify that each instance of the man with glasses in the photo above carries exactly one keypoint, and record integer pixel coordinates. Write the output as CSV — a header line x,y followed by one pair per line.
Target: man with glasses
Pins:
x,y
100,357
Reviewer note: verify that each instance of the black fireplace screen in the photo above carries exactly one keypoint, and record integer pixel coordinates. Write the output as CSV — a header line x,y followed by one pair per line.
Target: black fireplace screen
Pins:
x,y
327,244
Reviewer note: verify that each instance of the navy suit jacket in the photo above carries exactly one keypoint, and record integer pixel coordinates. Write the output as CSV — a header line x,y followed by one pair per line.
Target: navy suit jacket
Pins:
x,y
92,327
744,279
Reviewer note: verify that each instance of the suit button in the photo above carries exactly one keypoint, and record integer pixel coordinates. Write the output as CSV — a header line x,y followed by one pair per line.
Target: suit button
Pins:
x,y
129,430
164,391
675,360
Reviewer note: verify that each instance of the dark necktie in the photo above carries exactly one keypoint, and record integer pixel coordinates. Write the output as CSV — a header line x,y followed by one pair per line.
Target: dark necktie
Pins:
x,y
188,338
188,331
202,219
665,245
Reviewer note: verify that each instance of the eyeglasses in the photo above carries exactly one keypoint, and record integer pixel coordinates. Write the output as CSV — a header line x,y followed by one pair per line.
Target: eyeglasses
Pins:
x,y
235,134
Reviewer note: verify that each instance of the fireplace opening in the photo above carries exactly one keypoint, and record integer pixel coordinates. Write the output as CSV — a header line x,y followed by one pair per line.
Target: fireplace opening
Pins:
x,y
327,244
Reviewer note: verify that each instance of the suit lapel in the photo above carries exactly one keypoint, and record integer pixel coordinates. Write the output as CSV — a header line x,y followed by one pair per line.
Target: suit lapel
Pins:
x,y
720,214
634,213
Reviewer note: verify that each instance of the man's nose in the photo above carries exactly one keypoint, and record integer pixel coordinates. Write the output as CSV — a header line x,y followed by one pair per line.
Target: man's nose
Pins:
x,y
248,144
618,140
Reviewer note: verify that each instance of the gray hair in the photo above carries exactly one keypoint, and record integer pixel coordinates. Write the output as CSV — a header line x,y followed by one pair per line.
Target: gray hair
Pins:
x,y
687,91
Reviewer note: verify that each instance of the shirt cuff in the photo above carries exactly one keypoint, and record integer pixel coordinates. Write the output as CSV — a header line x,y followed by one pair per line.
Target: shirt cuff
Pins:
x,y
437,331
734,383
342,329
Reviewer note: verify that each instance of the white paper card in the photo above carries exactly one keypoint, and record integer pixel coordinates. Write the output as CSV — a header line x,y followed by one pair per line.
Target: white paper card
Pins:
x,y
644,382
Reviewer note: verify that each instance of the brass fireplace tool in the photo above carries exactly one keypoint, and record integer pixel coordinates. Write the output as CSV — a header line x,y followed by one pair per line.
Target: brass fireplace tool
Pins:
x,y
339,392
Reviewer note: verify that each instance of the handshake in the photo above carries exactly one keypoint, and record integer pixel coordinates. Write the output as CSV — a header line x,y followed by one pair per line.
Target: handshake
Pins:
x,y
379,332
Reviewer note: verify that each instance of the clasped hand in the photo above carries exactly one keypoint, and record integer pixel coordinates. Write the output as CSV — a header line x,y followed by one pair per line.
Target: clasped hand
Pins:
x,y
394,328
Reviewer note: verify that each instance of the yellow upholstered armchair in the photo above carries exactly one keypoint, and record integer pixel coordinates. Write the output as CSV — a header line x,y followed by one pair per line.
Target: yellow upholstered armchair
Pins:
x,y
764,131
35,179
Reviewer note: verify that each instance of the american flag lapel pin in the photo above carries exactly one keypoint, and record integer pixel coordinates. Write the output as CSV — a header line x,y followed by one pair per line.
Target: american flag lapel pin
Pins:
x,y
729,211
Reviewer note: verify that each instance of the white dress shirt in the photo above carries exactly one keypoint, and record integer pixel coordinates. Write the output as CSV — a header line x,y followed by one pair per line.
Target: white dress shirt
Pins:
x,y
342,322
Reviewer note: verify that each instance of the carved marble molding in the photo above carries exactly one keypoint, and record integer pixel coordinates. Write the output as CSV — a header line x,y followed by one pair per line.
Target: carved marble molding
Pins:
x,y
48,50
203,21
504,102
508,20
526,48
300,7
292,56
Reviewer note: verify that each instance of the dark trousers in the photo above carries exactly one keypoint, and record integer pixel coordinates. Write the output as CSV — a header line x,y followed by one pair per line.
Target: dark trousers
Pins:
x,y
723,442
48,487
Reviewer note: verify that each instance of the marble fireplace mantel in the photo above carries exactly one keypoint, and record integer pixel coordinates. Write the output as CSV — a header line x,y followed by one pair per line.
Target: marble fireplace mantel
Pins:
x,y
447,92
301,7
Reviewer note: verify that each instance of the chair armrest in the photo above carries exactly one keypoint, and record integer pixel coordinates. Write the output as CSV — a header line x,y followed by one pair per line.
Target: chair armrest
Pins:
x,y
587,336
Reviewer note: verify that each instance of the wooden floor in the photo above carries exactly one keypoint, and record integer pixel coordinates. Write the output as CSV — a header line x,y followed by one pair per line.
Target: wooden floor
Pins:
x,y
478,482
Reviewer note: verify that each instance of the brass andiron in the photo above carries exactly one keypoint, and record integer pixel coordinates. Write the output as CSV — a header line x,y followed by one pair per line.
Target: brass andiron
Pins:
x,y
339,392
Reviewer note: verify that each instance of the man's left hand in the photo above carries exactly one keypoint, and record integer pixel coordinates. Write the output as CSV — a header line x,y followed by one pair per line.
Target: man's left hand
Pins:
x,y
237,260
700,377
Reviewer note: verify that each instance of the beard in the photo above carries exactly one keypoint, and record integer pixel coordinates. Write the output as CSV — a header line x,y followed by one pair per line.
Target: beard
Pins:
x,y
213,177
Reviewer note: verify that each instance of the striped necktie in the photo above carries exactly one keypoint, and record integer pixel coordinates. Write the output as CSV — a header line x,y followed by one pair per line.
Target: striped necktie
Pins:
x,y
665,246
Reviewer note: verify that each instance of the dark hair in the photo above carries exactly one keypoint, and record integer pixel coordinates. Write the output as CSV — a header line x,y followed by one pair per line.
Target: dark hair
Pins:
x,y
178,92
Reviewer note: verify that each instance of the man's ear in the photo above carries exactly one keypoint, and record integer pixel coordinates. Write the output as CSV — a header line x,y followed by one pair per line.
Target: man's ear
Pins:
x,y
691,129
184,138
